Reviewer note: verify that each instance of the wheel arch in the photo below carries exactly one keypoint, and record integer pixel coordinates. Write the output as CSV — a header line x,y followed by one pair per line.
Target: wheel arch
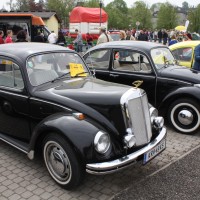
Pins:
x,y
170,98
68,127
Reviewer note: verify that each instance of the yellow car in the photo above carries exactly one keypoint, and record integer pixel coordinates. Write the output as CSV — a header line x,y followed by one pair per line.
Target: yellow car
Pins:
x,y
184,52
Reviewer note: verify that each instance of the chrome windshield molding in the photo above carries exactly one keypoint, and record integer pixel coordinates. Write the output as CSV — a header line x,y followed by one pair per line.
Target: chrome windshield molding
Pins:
x,y
115,165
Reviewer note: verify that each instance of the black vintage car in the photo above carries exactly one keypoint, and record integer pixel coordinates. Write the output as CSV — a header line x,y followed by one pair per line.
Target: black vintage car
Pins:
x,y
173,90
51,103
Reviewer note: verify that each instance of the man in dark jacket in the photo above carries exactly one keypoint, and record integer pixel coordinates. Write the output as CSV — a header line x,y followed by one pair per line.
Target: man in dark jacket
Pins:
x,y
142,36
160,35
196,65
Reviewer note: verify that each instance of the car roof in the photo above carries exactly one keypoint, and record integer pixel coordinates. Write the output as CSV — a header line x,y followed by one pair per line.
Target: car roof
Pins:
x,y
146,46
185,44
24,49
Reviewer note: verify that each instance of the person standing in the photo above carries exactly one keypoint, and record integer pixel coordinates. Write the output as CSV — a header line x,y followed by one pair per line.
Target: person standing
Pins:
x,y
1,37
155,35
122,35
52,38
61,39
9,37
38,37
129,36
89,40
165,37
160,36
143,36
173,40
196,65
78,41
104,37
21,36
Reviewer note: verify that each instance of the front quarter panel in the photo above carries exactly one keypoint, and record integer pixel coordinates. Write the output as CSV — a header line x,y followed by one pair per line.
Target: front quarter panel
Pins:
x,y
79,133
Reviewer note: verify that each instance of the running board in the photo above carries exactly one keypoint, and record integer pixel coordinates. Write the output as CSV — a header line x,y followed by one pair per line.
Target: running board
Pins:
x,y
22,146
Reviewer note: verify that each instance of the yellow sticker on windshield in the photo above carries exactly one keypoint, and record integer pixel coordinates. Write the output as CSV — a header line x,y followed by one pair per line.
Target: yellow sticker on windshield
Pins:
x,y
6,62
77,69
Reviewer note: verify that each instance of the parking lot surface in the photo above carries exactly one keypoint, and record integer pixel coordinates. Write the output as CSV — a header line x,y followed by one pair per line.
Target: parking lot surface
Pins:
x,y
21,178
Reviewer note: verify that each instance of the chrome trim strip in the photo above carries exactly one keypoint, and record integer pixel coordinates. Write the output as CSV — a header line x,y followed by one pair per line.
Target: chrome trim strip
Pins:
x,y
15,94
44,101
14,145
171,79
115,165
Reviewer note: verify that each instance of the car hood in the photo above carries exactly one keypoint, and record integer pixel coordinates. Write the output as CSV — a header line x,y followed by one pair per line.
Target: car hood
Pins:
x,y
96,98
181,73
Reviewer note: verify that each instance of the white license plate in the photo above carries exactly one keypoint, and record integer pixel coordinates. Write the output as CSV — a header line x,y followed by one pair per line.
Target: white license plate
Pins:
x,y
155,151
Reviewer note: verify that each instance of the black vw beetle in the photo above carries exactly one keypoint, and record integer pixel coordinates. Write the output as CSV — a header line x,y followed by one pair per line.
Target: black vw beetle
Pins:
x,y
50,101
172,89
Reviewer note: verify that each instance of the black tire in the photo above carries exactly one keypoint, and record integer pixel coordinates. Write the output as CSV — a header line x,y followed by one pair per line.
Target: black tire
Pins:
x,y
184,115
62,162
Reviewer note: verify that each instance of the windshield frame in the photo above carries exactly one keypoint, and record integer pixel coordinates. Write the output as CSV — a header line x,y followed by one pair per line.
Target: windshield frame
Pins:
x,y
88,72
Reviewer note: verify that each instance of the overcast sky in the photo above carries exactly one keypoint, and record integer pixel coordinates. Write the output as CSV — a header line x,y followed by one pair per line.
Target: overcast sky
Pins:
x,y
130,2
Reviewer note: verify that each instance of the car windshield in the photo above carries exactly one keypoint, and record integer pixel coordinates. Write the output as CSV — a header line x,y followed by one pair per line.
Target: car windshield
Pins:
x,y
162,57
49,67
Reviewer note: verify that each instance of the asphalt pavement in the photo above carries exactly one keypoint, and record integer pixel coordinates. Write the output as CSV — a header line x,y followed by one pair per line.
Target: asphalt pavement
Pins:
x,y
179,180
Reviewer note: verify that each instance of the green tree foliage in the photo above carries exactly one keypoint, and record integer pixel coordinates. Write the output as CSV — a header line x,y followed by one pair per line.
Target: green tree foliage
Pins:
x,y
167,16
22,5
185,6
62,8
92,4
29,5
140,12
194,18
117,14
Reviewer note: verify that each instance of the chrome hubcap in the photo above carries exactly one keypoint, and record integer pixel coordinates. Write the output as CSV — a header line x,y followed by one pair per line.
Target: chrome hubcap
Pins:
x,y
185,117
57,162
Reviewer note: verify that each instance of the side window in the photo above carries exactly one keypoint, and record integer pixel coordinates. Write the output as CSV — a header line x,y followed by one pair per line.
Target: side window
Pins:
x,y
126,60
98,59
10,75
183,54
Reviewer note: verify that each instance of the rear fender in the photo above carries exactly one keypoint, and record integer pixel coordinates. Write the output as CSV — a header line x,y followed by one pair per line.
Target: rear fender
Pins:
x,y
185,92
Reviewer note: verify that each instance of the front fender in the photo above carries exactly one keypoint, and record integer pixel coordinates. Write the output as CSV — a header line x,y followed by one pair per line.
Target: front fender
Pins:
x,y
79,133
184,92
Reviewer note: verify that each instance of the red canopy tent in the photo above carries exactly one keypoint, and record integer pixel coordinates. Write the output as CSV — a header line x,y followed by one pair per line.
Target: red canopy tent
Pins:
x,y
90,15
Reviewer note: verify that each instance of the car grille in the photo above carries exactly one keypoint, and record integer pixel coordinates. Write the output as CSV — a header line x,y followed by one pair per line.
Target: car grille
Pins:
x,y
136,115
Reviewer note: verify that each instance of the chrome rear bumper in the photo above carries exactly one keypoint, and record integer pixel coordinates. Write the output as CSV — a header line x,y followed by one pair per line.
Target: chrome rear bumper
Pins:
x,y
115,165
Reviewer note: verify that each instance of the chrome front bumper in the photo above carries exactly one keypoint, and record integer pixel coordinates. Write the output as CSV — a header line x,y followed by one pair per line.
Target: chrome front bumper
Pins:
x,y
115,165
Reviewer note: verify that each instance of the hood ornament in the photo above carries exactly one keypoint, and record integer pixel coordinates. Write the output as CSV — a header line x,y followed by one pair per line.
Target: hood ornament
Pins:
x,y
137,83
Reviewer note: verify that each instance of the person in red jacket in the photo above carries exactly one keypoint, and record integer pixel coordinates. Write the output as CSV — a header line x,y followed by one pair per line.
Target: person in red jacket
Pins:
x,y
1,37
9,37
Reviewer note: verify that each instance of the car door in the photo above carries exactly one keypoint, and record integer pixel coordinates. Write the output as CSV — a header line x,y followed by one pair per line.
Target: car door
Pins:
x,y
99,61
14,107
128,66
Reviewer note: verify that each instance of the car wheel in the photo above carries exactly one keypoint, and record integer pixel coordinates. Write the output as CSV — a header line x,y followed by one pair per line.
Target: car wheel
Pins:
x,y
61,162
184,116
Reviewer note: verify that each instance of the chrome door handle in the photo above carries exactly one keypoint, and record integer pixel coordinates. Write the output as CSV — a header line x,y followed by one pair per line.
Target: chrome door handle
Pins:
x,y
114,75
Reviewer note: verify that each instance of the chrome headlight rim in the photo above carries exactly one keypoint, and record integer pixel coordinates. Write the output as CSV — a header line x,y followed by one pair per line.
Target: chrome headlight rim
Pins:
x,y
153,114
156,121
98,137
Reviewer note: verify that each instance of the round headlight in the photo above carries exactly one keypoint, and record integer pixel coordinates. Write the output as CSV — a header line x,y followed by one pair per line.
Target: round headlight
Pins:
x,y
158,122
102,142
153,114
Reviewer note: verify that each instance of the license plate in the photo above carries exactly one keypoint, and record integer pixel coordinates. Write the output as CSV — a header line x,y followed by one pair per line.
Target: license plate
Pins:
x,y
155,151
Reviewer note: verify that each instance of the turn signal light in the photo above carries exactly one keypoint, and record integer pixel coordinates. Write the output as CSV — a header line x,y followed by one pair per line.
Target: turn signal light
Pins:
x,y
79,116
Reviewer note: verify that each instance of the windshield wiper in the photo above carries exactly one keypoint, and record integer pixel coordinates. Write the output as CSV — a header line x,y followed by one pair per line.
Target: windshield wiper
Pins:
x,y
80,74
61,76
